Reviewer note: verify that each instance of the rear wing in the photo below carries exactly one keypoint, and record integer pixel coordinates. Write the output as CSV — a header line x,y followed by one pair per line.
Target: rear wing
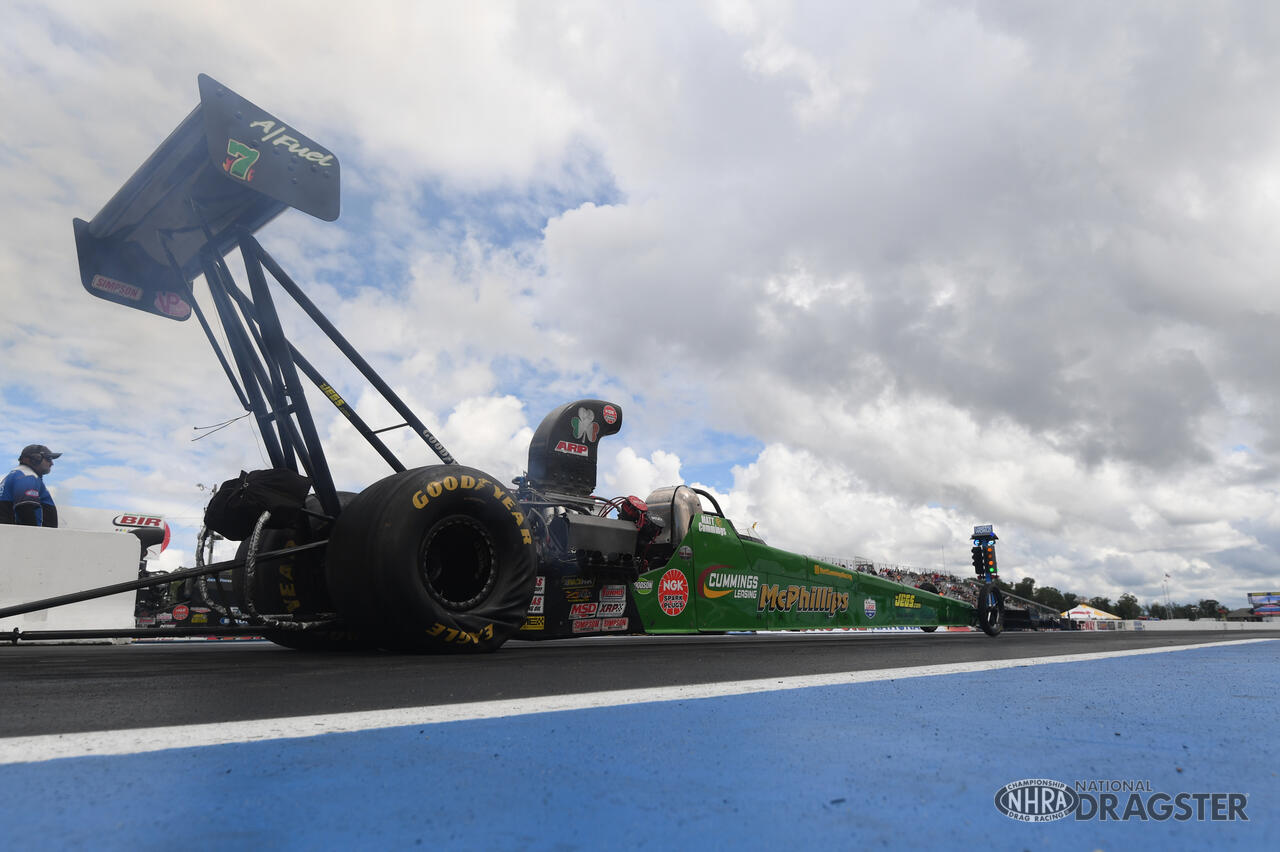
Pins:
x,y
228,169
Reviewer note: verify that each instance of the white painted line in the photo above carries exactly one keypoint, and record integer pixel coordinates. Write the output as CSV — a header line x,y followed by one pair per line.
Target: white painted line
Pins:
x,y
141,740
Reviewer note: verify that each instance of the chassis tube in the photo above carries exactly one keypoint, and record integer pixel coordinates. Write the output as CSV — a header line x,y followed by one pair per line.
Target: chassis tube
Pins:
x,y
347,349
134,585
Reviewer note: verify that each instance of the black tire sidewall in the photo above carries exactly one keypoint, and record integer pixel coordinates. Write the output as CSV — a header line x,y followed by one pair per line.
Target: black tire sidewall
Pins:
x,y
395,520
293,584
989,626
926,586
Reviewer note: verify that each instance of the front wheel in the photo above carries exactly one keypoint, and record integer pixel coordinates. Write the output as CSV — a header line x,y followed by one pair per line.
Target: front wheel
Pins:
x,y
926,586
440,558
990,609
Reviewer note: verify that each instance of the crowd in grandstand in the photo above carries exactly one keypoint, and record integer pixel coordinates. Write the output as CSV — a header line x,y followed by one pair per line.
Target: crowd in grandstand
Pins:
x,y
948,585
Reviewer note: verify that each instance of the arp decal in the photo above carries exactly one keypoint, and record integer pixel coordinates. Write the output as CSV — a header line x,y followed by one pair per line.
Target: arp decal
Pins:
x,y
869,608
572,449
673,592
585,427
717,581
906,601
118,288
823,599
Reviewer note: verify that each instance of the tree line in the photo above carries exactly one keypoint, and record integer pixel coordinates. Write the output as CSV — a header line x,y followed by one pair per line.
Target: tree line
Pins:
x,y
1126,606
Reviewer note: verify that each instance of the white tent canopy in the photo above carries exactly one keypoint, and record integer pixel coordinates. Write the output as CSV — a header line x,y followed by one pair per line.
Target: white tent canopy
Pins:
x,y
1084,611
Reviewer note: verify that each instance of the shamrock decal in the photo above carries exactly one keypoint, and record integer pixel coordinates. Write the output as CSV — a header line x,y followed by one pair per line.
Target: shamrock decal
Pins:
x,y
585,426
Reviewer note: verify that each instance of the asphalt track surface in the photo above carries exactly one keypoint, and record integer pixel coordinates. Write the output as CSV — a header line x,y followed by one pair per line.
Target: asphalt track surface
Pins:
x,y
68,688
826,750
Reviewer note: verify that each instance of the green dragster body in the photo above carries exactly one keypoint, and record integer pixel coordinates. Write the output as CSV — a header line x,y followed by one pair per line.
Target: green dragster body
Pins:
x,y
719,581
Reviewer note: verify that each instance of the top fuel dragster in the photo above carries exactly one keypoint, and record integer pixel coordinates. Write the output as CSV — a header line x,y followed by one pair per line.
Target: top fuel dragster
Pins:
x,y
441,557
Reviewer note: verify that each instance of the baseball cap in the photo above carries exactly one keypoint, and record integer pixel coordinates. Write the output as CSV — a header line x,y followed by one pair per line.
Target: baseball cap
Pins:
x,y
37,450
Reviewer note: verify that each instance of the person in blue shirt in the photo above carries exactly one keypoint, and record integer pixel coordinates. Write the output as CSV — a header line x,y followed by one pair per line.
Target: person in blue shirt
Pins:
x,y
23,497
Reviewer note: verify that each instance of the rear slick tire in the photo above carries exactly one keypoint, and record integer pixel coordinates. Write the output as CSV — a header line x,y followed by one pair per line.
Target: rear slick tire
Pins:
x,y
439,559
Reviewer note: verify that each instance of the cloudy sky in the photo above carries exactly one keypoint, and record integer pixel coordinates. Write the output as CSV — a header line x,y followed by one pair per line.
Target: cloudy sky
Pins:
x,y
873,273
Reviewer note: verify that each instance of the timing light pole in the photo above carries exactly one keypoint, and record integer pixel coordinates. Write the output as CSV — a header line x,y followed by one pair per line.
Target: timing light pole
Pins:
x,y
983,553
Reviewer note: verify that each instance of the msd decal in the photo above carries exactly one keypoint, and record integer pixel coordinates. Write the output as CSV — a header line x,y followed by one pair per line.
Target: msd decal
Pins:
x,y
572,449
673,592
582,610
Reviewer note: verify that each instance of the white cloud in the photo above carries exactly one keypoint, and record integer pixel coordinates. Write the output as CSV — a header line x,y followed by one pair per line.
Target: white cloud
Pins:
x,y
633,475
947,264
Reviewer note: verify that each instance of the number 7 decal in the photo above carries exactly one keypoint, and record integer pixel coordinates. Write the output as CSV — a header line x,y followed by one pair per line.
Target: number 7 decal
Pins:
x,y
240,160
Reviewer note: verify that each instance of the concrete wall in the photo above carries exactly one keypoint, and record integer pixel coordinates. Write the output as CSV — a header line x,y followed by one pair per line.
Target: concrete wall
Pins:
x,y
1200,624
37,563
